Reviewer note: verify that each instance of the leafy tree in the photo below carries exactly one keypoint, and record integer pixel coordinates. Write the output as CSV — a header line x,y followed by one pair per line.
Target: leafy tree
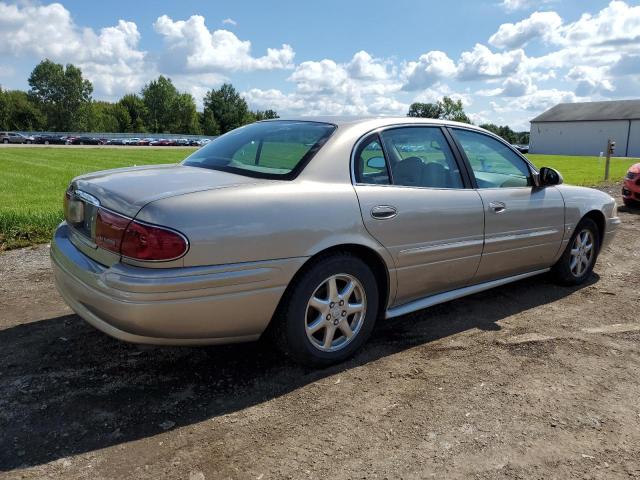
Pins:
x,y
137,112
4,110
185,115
507,133
159,98
446,109
226,109
265,115
425,110
20,113
61,92
453,110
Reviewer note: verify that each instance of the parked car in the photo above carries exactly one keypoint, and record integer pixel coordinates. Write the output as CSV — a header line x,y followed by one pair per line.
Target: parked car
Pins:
x,y
145,141
163,142
50,140
14,137
522,148
257,233
131,141
631,186
85,141
116,141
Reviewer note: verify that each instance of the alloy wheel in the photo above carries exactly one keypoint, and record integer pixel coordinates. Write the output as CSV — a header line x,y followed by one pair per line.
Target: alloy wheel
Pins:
x,y
582,253
335,312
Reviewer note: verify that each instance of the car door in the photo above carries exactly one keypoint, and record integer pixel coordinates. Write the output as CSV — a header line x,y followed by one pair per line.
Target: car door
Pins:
x,y
416,201
524,224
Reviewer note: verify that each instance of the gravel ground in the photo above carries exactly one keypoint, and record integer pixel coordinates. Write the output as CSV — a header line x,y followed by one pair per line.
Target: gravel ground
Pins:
x,y
528,381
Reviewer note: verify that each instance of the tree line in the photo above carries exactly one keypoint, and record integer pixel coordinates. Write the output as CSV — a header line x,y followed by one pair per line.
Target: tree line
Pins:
x,y
449,109
60,99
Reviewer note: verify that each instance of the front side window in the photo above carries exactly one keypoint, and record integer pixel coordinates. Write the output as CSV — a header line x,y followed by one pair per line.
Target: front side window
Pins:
x,y
275,149
421,157
493,163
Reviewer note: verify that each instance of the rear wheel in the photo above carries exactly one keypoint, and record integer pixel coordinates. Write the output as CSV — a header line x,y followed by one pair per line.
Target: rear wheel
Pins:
x,y
5,141
46,142
579,258
329,312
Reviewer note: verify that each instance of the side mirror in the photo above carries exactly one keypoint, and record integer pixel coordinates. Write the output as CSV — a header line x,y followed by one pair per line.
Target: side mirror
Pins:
x,y
549,176
376,162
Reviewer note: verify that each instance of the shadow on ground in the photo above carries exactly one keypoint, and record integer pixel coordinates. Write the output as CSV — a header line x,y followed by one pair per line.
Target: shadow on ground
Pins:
x,y
66,388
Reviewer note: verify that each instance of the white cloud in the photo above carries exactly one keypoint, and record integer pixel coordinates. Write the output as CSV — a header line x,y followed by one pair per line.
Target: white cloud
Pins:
x,y
590,80
617,24
362,86
482,63
110,58
229,21
364,66
429,69
513,5
190,45
542,25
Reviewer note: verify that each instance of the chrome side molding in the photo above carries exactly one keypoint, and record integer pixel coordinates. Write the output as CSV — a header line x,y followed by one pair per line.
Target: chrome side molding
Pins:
x,y
432,300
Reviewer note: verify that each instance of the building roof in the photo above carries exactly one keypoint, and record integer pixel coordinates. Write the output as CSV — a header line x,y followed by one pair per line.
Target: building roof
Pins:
x,y
586,111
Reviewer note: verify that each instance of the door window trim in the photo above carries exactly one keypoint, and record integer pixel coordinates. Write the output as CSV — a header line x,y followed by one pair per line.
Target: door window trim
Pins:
x,y
468,181
463,155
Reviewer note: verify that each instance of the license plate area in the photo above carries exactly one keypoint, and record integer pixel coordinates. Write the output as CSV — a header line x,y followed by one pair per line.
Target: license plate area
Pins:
x,y
80,210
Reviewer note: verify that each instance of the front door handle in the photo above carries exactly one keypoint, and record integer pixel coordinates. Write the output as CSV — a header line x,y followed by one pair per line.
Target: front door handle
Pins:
x,y
497,207
382,212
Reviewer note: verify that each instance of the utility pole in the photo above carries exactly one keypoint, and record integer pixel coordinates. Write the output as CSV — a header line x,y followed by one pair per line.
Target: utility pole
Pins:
x,y
611,146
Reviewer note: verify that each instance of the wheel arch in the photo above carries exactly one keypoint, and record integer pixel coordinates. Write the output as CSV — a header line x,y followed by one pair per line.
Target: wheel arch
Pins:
x,y
598,217
372,258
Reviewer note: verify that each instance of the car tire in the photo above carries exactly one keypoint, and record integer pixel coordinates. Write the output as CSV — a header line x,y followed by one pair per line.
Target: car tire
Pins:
x,y
577,261
309,313
5,141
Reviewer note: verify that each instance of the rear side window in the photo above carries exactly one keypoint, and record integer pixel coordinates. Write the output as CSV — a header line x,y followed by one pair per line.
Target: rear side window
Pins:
x,y
370,164
421,157
275,149
493,163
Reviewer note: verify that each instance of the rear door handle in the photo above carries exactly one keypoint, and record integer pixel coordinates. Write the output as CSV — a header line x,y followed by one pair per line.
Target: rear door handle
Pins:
x,y
382,212
497,207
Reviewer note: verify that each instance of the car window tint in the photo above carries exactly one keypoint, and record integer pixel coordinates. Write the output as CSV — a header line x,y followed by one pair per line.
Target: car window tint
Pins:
x,y
421,157
271,149
493,163
371,165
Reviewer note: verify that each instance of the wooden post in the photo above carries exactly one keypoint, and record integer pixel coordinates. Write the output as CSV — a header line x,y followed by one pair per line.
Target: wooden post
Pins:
x,y
608,160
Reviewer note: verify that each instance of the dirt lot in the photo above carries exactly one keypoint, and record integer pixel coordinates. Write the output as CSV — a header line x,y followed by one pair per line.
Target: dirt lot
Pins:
x,y
527,381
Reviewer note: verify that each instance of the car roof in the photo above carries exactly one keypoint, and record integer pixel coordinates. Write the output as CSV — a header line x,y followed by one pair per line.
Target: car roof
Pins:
x,y
380,121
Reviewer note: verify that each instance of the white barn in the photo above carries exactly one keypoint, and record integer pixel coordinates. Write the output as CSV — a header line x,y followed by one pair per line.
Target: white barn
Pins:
x,y
584,128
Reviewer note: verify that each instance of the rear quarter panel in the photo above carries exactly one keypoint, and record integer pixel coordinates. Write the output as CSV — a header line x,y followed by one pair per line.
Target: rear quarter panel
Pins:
x,y
264,221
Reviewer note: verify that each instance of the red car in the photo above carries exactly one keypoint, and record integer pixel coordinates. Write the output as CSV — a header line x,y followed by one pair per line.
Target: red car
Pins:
x,y
631,186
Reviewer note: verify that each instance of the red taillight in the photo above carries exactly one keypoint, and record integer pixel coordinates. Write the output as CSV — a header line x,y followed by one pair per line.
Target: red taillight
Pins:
x,y
136,240
147,242
110,228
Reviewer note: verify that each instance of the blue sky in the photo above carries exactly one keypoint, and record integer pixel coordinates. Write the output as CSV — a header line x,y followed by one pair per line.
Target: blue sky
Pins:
x,y
507,60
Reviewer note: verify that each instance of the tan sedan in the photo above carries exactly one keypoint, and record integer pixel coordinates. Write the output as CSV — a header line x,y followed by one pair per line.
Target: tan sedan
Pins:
x,y
311,230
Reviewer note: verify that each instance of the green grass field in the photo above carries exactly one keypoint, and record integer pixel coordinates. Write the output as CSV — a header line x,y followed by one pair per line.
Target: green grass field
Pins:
x,y
32,181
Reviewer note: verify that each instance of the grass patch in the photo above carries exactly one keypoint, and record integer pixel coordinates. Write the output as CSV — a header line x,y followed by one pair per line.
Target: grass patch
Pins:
x,y
587,171
32,181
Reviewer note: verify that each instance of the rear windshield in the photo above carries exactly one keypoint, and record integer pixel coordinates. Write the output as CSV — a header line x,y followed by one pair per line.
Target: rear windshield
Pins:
x,y
275,149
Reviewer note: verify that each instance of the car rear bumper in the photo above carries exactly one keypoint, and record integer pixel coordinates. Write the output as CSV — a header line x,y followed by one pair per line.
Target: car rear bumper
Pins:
x,y
171,306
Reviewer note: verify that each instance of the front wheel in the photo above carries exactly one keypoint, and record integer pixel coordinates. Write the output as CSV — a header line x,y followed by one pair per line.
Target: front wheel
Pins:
x,y
329,312
579,258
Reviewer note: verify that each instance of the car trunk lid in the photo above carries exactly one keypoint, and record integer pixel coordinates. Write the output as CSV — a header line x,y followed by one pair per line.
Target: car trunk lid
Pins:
x,y
125,191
